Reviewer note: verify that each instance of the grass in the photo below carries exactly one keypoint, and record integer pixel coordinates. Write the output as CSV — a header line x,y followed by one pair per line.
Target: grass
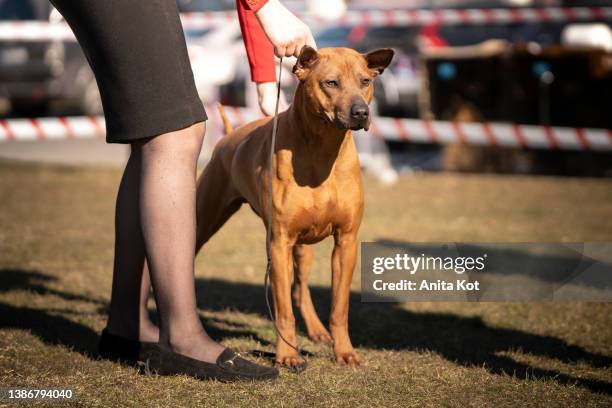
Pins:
x,y
56,252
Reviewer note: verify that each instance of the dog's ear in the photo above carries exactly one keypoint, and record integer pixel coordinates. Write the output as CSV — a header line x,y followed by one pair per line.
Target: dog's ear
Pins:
x,y
379,60
307,59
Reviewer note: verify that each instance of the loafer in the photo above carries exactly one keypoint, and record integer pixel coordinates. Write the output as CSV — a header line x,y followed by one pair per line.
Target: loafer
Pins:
x,y
117,348
229,367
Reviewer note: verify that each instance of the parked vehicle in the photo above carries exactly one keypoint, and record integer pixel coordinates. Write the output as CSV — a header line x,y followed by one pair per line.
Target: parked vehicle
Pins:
x,y
397,93
188,6
522,83
34,73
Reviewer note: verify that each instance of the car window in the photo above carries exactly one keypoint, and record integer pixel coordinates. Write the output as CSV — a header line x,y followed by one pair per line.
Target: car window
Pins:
x,y
24,9
333,37
188,6
402,38
469,35
196,33
543,33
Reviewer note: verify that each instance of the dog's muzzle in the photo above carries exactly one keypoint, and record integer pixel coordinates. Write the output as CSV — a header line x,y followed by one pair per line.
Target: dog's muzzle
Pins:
x,y
359,116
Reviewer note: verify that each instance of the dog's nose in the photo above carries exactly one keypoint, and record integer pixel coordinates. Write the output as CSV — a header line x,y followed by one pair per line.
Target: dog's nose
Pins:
x,y
359,111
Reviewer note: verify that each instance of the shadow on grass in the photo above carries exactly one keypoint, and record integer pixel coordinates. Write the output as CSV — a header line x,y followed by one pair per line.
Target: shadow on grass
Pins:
x,y
51,326
467,341
47,324
35,281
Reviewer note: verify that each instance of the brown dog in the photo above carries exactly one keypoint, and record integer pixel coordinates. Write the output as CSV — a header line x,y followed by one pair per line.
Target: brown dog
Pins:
x,y
317,187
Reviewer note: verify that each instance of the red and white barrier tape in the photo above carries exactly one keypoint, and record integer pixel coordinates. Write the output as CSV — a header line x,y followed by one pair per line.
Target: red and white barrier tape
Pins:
x,y
492,134
475,16
75,127
395,129
44,31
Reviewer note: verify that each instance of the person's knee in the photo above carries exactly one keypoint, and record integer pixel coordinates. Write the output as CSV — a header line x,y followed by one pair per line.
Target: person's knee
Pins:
x,y
199,129
184,143
193,139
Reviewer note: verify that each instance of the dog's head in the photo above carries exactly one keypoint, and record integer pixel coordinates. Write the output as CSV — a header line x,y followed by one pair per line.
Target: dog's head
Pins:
x,y
338,83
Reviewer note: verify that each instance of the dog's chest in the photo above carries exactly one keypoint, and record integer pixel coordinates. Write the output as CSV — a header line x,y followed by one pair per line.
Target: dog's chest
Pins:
x,y
313,213
317,194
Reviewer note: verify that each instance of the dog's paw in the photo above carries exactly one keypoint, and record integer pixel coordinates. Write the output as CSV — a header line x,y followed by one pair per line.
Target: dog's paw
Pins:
x,y
292,361
349,358
322,336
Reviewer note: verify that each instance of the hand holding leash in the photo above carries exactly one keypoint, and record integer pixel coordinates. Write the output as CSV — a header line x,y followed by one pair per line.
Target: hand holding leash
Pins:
x,y
285,31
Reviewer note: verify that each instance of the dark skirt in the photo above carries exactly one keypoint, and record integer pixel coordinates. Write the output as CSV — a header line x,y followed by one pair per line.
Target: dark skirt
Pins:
x,y
138,54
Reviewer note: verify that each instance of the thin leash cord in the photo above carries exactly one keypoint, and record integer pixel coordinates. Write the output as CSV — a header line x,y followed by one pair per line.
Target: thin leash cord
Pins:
x,y
270,215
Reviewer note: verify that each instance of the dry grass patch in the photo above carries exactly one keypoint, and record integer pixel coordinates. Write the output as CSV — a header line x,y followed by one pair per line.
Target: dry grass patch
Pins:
x,y
56,240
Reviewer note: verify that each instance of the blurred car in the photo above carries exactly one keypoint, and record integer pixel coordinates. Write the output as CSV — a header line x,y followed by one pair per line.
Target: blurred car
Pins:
x,y
470,4
397,92
218,58
188,6
522,83
36,72
215,54
542,33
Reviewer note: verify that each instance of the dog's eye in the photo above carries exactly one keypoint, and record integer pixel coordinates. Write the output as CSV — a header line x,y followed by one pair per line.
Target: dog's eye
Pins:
x,y
365,81
332,83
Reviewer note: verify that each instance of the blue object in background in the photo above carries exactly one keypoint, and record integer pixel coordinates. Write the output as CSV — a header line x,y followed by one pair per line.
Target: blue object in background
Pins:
x,y
446,71
539,68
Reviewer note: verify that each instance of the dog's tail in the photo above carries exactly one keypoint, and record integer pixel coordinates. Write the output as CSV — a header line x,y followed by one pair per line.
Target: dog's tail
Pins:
x,y
227,126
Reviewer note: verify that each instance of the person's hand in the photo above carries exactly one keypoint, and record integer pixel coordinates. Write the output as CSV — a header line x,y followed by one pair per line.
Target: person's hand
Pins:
x,y
266,93
287,33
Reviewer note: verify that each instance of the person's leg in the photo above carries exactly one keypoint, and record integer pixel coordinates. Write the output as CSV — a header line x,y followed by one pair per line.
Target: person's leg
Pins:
x,y
128,316
140,60
168,218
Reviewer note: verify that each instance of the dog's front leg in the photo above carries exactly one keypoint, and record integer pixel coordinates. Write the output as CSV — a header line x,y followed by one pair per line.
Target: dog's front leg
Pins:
x,y
280,279
302,255
343,263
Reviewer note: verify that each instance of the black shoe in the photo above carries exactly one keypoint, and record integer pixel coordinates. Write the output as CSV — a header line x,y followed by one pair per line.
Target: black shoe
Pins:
x,y
119,348
228,368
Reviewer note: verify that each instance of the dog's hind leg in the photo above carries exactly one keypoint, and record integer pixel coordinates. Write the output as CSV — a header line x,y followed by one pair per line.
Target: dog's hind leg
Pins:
x,y
216,202
302,257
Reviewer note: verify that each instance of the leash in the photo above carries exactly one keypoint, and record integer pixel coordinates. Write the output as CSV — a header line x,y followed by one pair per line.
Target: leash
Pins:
x,y
303,366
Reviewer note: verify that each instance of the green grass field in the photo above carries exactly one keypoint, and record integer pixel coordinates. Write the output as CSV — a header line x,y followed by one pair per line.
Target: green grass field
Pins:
x,y
56,253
